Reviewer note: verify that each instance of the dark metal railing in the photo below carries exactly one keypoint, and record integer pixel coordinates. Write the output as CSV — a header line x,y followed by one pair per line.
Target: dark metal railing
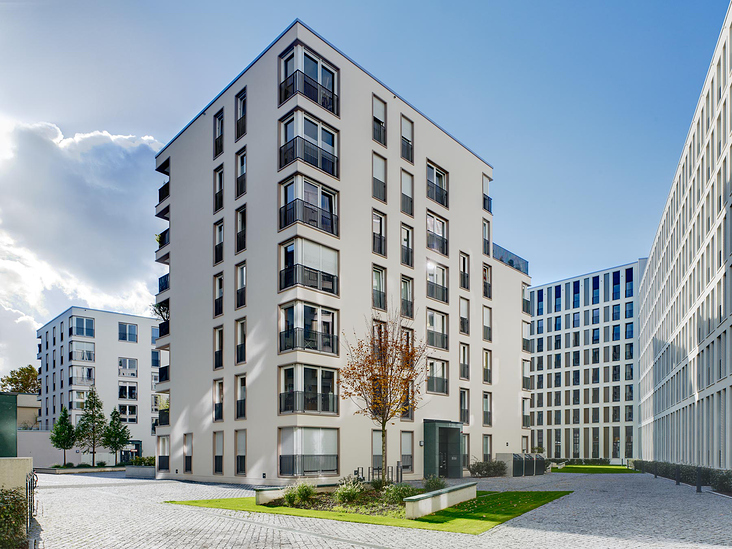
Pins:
x,y
241,126
379,244
436,193
379,132
407,308
437,339
218,145
464,415
219,252
241,240
437,384
407,204
309,340
303,149
487,203
164,374
164,417
379,299
308,401
379,189
299,82
241,408
488,333
487,419
218,200
164,238
164,192
407,256
437,242
218,411
219,306
163,463
487,375
464,325
241,185
407,150
465,280
218,359
510,259
241,353
308,464
487,290
305,276
163,283
526,306
299,210
465,371
164,328
437,291
241,297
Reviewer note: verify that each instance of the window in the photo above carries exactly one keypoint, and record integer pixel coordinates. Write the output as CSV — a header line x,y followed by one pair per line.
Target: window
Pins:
x,y
488,447
487,324
128,366
309,327
557,323
464,271
596,316
595,291
437,185
629,282
241,285
218,400
218,448
616,312
218,290
308,389
407,202
305,201
241,229
437,234
629,330
487,408
616,393
188,453
407,257
379,288
464,316
79,350
218,189
128,413
241,341
539,297
306,138
628,372
437,329
616,372
241,397
307,263
379,120
464,361
487,247
629,310
487,200
616,285
576,295
127,390
437,381
218,131
218,335
164,453
407,139
241,173
379,233
557,299
241,113
241,451
306,73
407,445
379,178
407,297
319,445
80,326
628,351
437,282
616,332
628,392
464,406
218,242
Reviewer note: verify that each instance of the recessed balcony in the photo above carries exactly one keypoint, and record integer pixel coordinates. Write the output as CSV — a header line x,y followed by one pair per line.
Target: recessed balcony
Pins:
x,y
300,148
308,402
299,83
300,275
305,339
299,211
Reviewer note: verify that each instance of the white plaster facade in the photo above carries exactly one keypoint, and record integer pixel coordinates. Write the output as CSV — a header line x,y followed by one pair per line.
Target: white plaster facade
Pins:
x,y
230,393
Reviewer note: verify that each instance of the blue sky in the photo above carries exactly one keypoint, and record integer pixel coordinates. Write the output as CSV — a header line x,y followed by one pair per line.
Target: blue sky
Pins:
x,y
581,107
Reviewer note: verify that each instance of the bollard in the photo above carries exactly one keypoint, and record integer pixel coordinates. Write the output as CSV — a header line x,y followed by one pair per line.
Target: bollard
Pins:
x,y
655,470
678,475
698,480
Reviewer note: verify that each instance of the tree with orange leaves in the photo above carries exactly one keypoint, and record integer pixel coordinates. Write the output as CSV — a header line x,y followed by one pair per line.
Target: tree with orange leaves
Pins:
x,y
384,373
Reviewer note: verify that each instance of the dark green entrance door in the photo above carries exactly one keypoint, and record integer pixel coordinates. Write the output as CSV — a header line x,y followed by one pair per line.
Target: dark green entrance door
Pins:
x,y
442,449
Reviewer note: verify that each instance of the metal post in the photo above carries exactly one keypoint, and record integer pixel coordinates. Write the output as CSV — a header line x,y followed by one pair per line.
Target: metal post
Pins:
x,y
678,475
698,480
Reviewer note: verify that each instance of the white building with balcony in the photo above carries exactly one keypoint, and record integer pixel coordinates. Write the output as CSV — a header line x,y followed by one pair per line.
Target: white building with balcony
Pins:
x,y
280,242
114,353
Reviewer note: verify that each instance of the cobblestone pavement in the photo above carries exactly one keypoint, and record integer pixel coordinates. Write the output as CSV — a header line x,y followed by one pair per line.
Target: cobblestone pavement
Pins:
x,y
604,511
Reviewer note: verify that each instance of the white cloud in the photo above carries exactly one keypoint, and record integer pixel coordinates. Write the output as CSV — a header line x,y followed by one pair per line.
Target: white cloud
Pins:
x,y
76,228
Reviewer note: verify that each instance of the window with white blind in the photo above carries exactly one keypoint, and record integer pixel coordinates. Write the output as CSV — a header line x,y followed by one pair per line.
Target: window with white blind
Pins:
x,y
310,264
308,451
379,178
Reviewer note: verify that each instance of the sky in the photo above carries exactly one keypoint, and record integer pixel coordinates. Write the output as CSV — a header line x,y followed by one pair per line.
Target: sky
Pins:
x,y
582,108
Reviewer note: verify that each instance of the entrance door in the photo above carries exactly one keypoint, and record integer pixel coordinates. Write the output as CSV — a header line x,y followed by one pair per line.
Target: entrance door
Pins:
x,y
443,454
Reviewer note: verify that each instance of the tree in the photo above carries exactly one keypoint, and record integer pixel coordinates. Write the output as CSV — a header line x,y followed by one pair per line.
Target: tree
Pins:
x,y
63,436
116,435
22,380
384,373
91,426
161,310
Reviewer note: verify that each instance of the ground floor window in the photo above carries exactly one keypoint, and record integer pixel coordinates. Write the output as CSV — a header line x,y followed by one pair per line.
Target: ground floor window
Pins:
x,y
308,451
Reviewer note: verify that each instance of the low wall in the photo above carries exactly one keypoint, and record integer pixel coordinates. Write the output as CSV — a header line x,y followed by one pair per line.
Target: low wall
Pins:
x,y
140,471
267,495
37,444
82,470
13,472
431,502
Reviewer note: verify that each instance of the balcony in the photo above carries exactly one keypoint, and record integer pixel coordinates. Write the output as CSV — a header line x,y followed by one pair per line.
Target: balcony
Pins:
x,y
526,306
464,325
526,345
299,82
303,212
163,283
241,353
307,401
465,280
464,415
407,308
526,422
162,255
164,328
488,333
163,239
465,371
219,306
218,411
407,150
487,290
379,132
164,418
526,384
241,408
164,192
218,359
487,419
487,203
299,464
83,356
379,299
437,243
218,145
437,384
164,374
438,194
241,126
487,375
379,189
407,204
308,340
437,339
407,256
241,185
241,240
300,148
241,297
163,463
218,253
300,275
379,244
510,259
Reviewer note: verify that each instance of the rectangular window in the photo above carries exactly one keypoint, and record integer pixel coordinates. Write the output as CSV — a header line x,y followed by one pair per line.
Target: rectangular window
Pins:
x,y
379,288
379,133
241,285
128,366
437,185
241,397
218,335
306,138
437,380
595,290
629,310
379,177
540,302
487,447
616,285
128,332
487,366
464,316
464,406
218,400
218,448
305,201
487,324
241,230
308,389
464,271
128,413
629,330
307,263
309,327
188,453
308,451
218,295
407,297
407,202
487,278
437,234
218,132
127,390
437,282
437,335
407,450
241,113
487,249
576,294
629,282
464,361
241,341
379,233
218,189
616,312
407,139
241,451
487,409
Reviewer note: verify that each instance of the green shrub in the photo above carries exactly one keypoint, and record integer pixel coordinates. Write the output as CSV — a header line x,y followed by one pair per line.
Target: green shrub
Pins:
x,y
142,461
13,514
101,463
56,466
687,473
487,468
721,481
433,483
69,465
395,493
290,495
349,488
378,484
81,465
304,491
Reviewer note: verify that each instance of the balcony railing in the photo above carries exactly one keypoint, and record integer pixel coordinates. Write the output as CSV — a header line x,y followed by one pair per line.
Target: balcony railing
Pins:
x,y
78,331
437,291
308,340
218,411
164,417
299,147
241,408
437,339
218,359
241,240
407,256
487,203
379,244
80,380
304,212
526,345
407,462
407,204
510,259
187,464
219,306
164,374
407,308
487,290
308,401
379,299
218,464
465,280
436,193
379,189
241,353
218,200
407,150
241,185
487,375
486,247
464,325
526,306
379,132
300,275
241,126
487,419
164,192
241,297
164,239
219,252
299,82
84,356
437,384
464,415
300,464
437,242
163,283
163,463
218,145
526,421
465,371
526,384
164,328
241,465
488,333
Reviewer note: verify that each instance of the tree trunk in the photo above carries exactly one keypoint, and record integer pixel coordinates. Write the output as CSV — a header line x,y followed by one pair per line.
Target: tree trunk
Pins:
x,y
115,458
64,456
383,449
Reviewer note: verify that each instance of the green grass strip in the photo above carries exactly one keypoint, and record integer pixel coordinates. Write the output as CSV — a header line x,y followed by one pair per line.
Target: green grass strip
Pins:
x,y
595,469
476,516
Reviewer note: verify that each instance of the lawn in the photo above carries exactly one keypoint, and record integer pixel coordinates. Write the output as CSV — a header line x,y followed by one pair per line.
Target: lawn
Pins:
x,y
489,509
594,469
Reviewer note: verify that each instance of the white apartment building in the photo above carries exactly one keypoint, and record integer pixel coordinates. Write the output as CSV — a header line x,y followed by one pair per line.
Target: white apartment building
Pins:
x,y
685,363
114,353
583,366
305,202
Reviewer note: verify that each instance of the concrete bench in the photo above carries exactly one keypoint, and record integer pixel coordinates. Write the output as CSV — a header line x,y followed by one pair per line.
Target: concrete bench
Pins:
x,y
267,495
430,502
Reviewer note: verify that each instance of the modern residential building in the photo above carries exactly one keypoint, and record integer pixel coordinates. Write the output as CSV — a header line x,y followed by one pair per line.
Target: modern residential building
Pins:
x,y
280,242
685,323
112,352
583,366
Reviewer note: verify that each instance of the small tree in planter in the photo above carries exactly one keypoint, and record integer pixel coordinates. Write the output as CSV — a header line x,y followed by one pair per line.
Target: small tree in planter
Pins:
x,y
91,426
116,435
63,435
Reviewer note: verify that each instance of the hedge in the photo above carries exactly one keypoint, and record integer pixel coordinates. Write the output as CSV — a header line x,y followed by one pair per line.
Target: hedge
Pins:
x,y
600,461
13,516
719,479
487,468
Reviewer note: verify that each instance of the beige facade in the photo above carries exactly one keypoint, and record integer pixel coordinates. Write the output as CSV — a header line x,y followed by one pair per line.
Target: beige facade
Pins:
x,y
28,407
301,208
